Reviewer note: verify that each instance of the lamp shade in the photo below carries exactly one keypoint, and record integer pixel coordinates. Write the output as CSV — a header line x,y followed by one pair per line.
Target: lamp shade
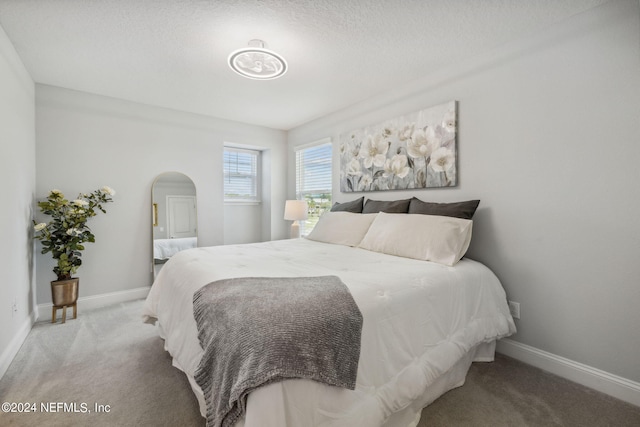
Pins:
x,y
295,210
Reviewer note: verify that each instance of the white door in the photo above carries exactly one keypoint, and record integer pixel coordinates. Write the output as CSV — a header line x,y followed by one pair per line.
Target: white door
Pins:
x,y
181,216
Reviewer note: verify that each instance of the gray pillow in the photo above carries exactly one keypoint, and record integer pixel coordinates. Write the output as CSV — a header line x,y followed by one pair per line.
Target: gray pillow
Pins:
x,y
395,206
464,210
354,206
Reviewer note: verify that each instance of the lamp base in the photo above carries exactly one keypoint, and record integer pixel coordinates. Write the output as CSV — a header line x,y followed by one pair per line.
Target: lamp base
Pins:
x,y
295,230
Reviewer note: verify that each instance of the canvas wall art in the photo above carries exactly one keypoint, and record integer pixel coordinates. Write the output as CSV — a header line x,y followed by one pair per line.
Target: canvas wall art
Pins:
x,y
417,150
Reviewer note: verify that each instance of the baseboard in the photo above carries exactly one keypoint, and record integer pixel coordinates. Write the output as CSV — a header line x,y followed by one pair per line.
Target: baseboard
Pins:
x,y
604,382
97,301
16,342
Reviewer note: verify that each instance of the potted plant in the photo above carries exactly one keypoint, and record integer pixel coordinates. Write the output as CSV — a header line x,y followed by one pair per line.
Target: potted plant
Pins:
x,y
64,236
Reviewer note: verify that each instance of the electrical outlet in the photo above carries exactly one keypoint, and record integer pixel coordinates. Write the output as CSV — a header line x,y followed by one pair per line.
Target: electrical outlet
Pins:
x,y
514,309
14,307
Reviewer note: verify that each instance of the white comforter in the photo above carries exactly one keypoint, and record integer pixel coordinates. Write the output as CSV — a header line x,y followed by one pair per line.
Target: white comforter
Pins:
x,y
420,319
166,248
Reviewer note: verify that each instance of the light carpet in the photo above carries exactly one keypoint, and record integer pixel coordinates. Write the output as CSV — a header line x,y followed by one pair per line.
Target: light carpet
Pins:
x,y
109,357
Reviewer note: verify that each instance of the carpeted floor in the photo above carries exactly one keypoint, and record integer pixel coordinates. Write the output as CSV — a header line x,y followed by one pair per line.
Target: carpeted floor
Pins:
x,y
108,357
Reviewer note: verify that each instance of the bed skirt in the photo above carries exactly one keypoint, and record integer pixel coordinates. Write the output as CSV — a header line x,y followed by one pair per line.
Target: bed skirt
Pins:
x,y
273,414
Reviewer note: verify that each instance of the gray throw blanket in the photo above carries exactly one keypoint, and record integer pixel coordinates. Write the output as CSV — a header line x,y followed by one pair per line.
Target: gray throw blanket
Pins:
x,y
259,330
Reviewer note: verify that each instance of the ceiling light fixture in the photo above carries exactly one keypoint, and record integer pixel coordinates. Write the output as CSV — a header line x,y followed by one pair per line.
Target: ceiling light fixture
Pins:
x,y
256,62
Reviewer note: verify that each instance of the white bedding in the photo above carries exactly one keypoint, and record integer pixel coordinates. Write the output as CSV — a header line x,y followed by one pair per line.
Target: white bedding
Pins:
x,y
166,248
422,322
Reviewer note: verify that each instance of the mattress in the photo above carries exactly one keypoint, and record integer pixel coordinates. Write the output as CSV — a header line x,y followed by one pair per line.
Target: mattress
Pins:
x,y
423,325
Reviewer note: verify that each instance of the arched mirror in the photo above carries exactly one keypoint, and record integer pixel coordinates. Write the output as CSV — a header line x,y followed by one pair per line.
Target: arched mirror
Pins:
x,y
174,216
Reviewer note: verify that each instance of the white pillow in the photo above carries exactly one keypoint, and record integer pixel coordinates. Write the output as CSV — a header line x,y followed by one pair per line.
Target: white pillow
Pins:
x,y
440,239
341,228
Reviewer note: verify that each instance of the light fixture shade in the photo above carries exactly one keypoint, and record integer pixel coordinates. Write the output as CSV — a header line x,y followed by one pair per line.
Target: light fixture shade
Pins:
x,y
295,210
256,62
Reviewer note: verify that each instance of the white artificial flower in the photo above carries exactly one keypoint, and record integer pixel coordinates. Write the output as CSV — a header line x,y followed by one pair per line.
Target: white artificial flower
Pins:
x,y
80,202
73,232
373,151
442,160
397,165
354,168
108,190
449,121
422,143
55,191
40,226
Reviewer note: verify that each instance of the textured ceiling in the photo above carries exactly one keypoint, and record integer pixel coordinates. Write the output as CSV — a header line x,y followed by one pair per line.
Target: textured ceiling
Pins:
x,y
173,53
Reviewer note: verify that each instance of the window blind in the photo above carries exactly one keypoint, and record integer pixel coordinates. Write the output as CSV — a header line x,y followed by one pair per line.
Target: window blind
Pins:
x,y
241,181
313,181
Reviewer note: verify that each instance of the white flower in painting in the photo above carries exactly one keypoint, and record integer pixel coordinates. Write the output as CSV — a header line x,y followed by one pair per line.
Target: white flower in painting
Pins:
x,y
365,182
352,147
354,168
449,121
40,226
397,165
108,190
406,132
442,160
374,151
422,143
80,202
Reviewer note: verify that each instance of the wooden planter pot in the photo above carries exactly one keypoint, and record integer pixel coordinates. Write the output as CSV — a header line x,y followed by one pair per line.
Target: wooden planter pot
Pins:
x,y
64,293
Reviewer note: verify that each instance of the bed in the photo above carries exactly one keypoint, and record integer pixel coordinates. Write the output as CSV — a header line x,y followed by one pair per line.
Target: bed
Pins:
x,y
425,322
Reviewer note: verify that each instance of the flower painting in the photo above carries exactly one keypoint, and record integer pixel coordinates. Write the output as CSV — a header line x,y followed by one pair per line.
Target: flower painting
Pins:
x,y
417,150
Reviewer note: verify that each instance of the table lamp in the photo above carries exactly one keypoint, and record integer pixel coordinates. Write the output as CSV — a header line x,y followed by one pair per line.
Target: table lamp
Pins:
x,y
295,210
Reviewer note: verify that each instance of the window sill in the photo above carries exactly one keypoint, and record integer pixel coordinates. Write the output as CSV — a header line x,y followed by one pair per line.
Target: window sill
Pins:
x,y
242,202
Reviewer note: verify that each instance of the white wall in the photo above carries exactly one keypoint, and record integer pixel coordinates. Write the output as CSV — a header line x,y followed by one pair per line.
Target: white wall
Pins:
x,y
246,222
18,173
242,223
86,141
549,140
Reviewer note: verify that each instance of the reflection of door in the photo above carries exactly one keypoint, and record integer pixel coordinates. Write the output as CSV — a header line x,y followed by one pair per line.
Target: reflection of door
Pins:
x,y
181,216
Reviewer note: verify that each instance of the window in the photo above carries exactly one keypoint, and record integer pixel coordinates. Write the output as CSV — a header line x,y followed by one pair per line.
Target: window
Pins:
x,y
241,175
313,180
